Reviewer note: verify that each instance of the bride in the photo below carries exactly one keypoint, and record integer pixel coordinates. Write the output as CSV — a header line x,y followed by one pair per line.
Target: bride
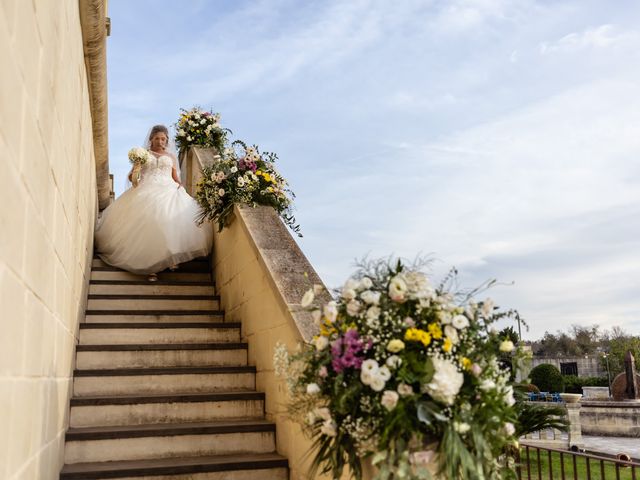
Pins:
x,y
151,226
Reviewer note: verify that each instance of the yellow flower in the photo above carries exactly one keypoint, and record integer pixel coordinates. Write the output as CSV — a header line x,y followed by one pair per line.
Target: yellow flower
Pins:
x,y
417,335
267,177
326,329
258,172
435,331
425,338
466,363
447,345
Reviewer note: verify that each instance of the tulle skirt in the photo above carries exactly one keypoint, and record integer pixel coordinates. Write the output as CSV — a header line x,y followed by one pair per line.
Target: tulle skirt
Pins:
x,y
150,228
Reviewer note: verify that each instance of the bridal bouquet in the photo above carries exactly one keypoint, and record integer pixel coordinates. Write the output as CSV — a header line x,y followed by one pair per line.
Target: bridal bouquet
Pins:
x,y
406,375
200,128
249,178
138,156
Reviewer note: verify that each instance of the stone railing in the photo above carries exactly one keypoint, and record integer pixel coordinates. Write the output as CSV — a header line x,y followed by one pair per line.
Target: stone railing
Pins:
x,y
553,438
261,275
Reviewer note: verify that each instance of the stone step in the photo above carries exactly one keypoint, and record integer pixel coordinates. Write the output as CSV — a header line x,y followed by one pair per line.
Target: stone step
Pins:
x,y
155,409
99,265
148,442
98,357
179,276
265,466
214,316
153,302
110,287
161,333
152,381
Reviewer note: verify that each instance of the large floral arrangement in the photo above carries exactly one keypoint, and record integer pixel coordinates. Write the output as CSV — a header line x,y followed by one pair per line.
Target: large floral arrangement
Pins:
x,y
243,175
197,127
406,374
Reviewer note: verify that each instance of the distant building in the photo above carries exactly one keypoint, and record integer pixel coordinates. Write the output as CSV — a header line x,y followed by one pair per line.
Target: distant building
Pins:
x,y
582,366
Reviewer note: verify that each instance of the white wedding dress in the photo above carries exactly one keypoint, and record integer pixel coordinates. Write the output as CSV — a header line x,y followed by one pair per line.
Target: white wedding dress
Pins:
x,y
152,226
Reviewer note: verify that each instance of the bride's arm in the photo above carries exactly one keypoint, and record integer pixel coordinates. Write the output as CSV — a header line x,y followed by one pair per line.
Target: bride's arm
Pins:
x,y
174,175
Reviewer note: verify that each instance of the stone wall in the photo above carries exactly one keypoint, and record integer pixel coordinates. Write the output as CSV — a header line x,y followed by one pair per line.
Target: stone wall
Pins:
x,y
47,213
620,419
588,366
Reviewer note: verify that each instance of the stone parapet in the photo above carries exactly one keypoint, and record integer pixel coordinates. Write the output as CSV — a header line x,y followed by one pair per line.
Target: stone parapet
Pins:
x,y
261,275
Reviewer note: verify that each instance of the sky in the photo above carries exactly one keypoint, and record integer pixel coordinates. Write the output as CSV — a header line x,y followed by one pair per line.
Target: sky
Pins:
x,y
498,137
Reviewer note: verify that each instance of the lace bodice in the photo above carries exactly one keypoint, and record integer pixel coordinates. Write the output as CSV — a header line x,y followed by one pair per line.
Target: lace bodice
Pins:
x,y
157,170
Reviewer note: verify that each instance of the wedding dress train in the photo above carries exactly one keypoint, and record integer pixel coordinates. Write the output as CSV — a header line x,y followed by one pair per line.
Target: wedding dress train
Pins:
x,y
152,227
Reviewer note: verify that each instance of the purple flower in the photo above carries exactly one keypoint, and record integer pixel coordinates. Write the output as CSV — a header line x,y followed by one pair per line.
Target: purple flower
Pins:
x,y
244,164
345,351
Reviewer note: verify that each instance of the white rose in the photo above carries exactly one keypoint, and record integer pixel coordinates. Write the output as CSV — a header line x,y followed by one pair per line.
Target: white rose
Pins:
x,y
487,307
393,362
509,429
446,381
366,377
377,384
397,289
240,182
329,428
331,311
313,389
508,396
352,284
394,346
452,334
487,385
373,313
203,121
221,192
321,342
372,298
389,399
181,132
405,390
461,427
233,169
370,366
316,315
444,317
307,298
353,307
366,283
460,322
507,346
384,373
348,293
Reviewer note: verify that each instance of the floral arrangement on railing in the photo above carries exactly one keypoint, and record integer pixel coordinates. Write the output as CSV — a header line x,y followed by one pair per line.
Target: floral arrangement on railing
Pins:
x,y
242,174
248,177
406,375
197,127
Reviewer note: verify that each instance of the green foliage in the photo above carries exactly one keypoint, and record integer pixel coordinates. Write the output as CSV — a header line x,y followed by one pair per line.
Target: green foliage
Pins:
x,y
574,384
532,417
547,378
618,347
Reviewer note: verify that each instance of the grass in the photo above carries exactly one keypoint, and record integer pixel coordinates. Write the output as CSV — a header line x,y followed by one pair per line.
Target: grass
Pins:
x,y
580,468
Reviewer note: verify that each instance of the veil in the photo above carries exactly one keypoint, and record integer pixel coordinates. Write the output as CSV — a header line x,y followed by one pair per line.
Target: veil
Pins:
x,y
170,148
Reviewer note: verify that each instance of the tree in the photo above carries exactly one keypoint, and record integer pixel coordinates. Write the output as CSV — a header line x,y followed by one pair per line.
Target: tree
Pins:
x,y
618,347
547,378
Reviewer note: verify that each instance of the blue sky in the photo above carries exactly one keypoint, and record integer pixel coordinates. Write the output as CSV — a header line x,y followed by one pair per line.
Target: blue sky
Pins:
x,y
500,137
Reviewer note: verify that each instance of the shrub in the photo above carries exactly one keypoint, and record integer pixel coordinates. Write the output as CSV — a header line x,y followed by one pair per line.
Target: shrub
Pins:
x,y
530,387
547,378
574,384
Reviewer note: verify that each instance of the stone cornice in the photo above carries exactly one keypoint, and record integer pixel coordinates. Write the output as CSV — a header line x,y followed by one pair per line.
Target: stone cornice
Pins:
x,y
93,19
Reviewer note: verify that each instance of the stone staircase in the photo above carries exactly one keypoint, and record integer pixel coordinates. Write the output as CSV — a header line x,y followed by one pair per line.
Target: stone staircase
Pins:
x,y
162,389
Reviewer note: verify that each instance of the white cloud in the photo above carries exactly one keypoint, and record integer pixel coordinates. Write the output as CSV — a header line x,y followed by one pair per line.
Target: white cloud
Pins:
x,y
602,37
